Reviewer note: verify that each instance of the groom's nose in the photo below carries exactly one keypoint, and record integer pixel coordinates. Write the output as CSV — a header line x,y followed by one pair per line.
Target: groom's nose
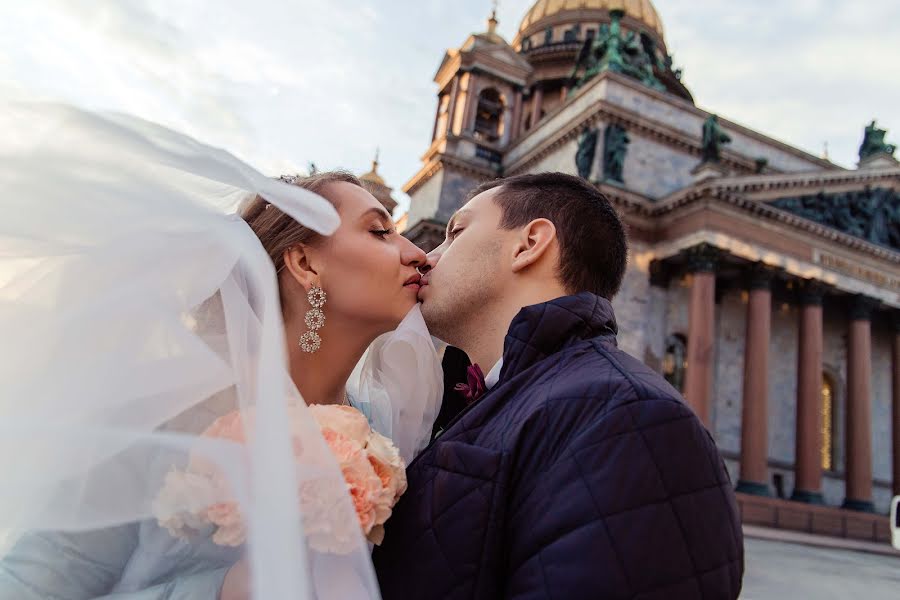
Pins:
x,y
431,260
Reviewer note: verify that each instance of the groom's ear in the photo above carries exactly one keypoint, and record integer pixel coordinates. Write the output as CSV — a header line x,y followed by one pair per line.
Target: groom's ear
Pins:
x,y
298,263
534,241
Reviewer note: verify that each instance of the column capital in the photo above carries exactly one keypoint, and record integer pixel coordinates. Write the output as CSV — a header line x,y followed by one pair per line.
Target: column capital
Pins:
x,y
661,274
703,258
759,276
811,292
862,307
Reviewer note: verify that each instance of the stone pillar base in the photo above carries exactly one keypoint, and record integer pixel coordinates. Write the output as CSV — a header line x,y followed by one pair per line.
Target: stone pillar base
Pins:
x,y
608,181
753,488
859,505
807,497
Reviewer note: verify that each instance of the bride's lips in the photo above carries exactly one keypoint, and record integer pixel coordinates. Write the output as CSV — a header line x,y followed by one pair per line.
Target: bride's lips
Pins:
x,y
423,283
414,282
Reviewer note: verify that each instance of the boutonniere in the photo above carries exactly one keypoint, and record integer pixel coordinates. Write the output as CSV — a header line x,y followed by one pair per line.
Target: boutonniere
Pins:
x,y
475,387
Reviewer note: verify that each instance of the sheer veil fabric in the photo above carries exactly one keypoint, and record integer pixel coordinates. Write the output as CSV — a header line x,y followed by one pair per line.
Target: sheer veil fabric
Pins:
x,y
135,308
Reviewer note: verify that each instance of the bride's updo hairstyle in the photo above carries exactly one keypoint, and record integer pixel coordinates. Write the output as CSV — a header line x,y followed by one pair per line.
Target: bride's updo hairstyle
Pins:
x,y
276,230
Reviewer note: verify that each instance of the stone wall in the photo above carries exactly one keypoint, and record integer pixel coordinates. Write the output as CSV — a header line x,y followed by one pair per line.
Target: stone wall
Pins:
x,y
441,196
561,160
655,169
640,311
881,402
456,188
424,201
782,409
729,371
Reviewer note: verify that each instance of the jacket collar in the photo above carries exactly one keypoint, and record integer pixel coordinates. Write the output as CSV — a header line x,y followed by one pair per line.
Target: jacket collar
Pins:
x,y
544,329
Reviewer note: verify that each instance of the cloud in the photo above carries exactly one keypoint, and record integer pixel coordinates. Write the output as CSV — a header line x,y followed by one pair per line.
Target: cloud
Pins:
x,y
284,83
806,72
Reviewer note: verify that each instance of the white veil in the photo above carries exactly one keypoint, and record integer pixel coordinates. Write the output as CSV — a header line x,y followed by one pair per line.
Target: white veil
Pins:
x,y
135,307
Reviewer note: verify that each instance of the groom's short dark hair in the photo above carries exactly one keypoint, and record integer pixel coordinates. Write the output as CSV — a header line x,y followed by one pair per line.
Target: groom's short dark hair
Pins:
x,y
593,245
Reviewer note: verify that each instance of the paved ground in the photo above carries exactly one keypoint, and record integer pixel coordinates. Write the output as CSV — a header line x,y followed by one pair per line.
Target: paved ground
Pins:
x,y
776,569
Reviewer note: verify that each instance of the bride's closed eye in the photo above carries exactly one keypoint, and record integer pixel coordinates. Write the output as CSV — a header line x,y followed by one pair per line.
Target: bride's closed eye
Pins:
x,y
382,233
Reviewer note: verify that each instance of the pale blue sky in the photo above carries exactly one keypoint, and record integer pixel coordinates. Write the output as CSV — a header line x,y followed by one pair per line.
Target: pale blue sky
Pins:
x,y
282,82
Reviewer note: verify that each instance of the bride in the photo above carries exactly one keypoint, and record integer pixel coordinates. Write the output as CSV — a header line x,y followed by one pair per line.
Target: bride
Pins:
x,y
148,285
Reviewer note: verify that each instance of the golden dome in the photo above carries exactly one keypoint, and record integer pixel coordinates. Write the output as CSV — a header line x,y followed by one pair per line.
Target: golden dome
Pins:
x,y
641,10
373,176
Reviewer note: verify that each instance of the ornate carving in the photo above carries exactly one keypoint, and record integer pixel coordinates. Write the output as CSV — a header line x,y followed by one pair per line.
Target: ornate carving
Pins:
x,y
873,142
661,275
713,140
703,258
760,276
870,214
587,150
615,147
861,308
811,292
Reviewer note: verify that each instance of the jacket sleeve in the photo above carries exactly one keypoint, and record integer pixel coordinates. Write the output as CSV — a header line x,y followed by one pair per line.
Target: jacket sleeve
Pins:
x,y
629,502
66,566
86,566
201,586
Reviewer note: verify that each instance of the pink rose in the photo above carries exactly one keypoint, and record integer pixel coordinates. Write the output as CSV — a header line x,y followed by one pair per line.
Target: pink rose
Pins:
x,y
345,420
374,476
386,461
231,530
230,427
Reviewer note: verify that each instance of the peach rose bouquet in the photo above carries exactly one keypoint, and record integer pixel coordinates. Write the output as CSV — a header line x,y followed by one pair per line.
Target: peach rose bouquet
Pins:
x,y
374,473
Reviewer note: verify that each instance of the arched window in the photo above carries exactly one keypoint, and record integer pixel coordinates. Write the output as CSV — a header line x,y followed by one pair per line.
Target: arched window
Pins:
x,y
489,116
828,430
675,360
443,118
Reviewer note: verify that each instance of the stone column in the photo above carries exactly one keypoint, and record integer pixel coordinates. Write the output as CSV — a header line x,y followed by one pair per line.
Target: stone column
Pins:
x,y
468,120
808,457
451,109
895,403
754,422
437,118
858,426
702,262
516,118
536,102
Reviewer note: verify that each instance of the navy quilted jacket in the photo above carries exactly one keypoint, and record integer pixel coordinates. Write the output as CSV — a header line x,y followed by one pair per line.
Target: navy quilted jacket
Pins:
x,y
581,474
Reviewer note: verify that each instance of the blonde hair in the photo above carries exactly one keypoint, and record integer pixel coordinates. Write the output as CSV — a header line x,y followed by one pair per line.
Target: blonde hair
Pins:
x,y
278,232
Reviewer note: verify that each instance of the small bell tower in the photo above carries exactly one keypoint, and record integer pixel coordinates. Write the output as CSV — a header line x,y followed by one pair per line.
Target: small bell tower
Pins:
x,y
479,112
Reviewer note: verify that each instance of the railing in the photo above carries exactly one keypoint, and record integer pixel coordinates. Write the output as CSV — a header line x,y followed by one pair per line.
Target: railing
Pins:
x,y
553,47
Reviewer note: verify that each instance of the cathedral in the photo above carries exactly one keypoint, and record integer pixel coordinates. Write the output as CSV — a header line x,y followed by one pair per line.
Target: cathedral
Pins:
x,y
763,281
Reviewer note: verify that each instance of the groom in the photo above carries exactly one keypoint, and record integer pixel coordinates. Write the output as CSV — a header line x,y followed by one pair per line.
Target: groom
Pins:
x,y
579,472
